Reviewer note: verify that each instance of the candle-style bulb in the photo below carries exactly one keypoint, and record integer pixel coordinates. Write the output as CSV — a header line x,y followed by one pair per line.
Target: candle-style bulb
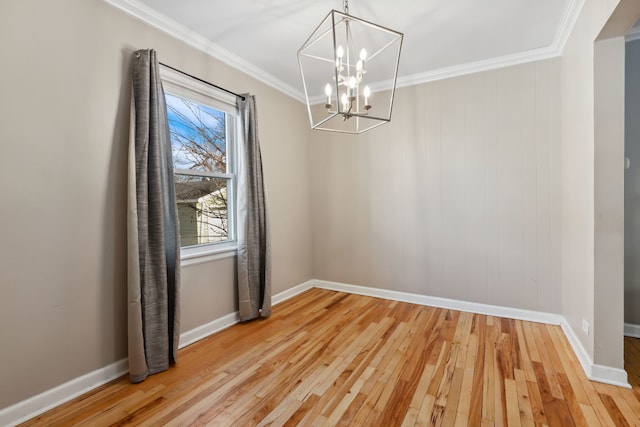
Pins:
x,y
344,100
363,55
327,91
367,93
339,55
352,87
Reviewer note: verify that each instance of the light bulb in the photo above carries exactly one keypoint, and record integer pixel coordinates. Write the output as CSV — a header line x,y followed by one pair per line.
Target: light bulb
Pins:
x,y
352,86
339,54
367,94
363,55
344,100
327,91
359,66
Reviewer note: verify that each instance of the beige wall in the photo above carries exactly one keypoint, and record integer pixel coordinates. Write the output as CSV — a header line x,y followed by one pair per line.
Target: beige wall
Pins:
x,y
632,185
457,197
578,173
64,120
609,203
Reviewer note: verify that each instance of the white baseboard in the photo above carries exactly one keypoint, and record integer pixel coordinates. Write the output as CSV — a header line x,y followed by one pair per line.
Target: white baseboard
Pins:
x,y
196,334
292,292
51,398
578,349
36,405
599,373
42,402
609,375
631,330
471,307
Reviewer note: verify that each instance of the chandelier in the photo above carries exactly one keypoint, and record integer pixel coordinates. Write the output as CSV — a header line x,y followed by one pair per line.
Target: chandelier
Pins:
x,y
349,68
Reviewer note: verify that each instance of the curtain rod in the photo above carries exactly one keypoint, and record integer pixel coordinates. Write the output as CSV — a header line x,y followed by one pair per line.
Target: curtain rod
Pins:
x,y
203,81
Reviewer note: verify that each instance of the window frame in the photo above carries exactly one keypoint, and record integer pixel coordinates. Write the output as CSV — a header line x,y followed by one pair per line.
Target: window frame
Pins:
x,y
177,84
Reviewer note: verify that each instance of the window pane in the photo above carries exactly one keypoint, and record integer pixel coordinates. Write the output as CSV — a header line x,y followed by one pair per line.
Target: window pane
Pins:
x,y
202,209
198,135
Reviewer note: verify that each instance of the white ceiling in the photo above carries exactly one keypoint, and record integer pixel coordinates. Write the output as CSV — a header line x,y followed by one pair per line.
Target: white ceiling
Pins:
x,y
442,37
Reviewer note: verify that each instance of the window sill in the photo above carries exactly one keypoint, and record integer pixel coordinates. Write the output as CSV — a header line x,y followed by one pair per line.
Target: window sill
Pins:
x,y
205,253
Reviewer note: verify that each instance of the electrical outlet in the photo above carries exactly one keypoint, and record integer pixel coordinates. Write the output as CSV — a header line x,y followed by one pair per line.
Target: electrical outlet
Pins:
x,y
585,326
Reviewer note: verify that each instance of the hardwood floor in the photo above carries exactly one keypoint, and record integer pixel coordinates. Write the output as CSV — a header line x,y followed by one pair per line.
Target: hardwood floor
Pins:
x,y
329,358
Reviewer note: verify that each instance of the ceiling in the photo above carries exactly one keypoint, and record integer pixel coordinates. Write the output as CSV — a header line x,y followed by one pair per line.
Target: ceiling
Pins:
x,y
442,37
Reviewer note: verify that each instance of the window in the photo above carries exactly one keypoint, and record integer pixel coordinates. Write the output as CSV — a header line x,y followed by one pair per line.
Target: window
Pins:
x,y
202,125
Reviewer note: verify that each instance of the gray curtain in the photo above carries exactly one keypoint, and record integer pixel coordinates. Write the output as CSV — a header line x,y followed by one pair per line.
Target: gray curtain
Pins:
x,y
153,234
254,256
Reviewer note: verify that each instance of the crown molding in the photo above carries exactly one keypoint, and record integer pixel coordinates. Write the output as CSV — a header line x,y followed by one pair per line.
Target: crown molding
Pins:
x,y
179,31
182,33
633,34
567,22
476,67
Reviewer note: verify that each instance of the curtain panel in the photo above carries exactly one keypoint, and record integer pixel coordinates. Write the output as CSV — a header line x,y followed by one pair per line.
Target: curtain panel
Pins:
x,y
152,225
254,253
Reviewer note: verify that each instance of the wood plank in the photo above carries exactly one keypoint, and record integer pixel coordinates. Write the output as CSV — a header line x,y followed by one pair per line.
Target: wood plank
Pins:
x,y
546,362
614,411
464,404
556,410
476,404
488,392
511,402
537,408
570,399
524,401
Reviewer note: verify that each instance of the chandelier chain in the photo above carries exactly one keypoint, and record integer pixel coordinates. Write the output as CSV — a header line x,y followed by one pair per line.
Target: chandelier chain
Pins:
x,y
346,6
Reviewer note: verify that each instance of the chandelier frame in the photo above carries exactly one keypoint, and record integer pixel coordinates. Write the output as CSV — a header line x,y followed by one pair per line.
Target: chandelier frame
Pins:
x,y
346,104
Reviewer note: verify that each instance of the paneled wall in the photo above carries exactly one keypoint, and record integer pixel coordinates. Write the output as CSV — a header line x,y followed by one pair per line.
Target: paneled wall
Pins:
x,y
457,197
